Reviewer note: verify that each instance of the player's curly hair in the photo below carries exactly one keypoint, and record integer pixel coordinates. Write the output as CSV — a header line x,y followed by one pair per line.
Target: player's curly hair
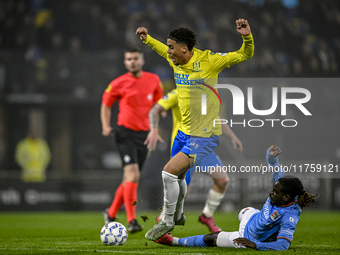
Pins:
x,y
293,187
184,35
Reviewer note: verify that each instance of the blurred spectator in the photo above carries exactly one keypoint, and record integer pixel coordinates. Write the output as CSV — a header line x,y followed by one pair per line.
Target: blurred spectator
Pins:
x,y
57,42
33,155
75,45
294,29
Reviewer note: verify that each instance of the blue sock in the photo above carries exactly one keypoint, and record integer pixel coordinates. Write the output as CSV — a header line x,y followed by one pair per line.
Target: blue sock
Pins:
x,y
192,241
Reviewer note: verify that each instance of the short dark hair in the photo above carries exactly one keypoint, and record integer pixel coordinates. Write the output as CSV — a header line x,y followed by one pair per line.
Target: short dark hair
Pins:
x,y
132,50
184,35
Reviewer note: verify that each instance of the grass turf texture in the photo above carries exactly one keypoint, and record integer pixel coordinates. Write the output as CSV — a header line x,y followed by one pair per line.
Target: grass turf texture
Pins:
x,y
78,233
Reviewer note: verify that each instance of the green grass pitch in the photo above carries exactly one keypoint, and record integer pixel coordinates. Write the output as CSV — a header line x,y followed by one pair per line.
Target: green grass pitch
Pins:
x,y
78,233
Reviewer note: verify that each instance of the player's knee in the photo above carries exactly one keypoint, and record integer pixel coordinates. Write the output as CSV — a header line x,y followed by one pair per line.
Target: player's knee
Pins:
x,y
131,173
177,165
210,239
169,169
222,183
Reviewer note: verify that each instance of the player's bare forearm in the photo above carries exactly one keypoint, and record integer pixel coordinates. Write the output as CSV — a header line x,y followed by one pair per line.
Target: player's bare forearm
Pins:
x,y
154,114
105,117
226,130
153,136
237,144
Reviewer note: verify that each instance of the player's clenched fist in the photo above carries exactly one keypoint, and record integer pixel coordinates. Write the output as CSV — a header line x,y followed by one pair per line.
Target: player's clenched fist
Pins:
x,y
242,27
142,32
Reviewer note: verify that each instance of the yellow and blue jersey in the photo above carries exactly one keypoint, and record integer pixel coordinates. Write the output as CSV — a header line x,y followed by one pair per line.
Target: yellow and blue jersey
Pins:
x,y
199,77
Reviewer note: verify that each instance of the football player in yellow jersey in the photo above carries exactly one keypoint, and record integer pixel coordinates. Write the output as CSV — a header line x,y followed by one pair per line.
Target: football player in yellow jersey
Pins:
x,y
194,71
217,191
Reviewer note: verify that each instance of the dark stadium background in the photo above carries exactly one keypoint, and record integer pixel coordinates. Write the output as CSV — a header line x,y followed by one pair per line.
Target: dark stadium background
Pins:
x,y
57,57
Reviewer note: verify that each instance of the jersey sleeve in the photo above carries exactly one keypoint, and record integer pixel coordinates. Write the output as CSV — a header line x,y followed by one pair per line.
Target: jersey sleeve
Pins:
x,y
110,94
287,228
279,245
224,60
274,166
169,100
159,90
284,237
159,47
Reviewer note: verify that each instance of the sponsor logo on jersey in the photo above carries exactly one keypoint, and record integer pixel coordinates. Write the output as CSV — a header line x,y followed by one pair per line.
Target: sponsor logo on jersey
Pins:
x,y
183,79
275,215
266,210
149,97
196,66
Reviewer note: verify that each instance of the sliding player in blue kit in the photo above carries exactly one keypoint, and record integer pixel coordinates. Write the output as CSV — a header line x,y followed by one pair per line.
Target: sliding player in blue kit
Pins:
x,y
272,228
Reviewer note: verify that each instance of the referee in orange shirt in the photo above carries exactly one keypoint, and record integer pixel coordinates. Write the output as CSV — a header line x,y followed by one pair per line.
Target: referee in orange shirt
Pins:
x,y
137,91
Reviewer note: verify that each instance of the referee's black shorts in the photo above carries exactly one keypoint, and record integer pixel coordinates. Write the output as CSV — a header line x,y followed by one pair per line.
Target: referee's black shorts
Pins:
x,y
131,146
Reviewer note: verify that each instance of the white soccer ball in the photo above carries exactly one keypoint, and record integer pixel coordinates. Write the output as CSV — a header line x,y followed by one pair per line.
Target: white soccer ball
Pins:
x,y
113,233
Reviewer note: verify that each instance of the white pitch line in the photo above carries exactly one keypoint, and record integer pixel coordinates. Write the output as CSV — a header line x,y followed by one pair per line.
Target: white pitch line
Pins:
x,y
313,245
104,251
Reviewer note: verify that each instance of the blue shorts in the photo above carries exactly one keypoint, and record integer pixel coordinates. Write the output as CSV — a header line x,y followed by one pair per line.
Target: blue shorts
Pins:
x,y
196,147
211,160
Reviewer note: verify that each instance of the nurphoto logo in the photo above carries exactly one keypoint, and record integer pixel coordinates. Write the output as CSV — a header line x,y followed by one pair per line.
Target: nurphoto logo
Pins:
x,y
239,105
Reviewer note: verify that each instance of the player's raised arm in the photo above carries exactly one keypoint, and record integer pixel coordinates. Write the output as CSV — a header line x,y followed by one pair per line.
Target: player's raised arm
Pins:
x,y
273,162
246,51
272,155
247,48
156,45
